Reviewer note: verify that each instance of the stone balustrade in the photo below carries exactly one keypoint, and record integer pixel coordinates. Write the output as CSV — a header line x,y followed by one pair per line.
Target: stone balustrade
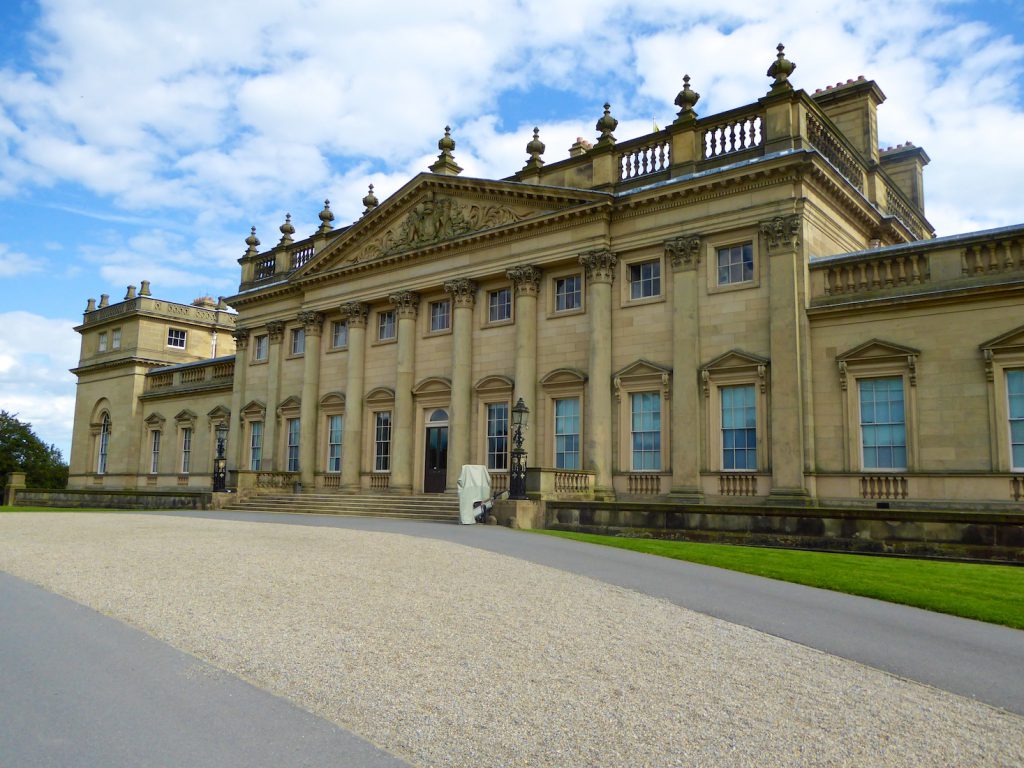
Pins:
x,y
737,484
736,134
883,487
649,155
873,274
213,374
643,484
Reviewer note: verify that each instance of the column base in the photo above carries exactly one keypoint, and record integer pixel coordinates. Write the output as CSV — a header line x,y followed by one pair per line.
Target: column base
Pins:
x,y
794,497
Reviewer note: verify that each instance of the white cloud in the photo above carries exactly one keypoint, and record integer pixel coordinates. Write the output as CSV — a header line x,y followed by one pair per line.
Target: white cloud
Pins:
x,y
35,355
14,263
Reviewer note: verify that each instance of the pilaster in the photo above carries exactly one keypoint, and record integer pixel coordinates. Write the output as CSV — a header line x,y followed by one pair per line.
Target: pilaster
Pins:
x,y
526,281
463,295
355,313
275,332
600,269
313,323
407,306
781,240
236,449
684,255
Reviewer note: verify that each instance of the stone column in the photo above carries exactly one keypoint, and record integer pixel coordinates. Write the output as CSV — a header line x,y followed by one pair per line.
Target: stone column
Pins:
x,y
407,306
275,330
684,254
355,314
600,267
526,280
236,437
781,239
308,413
463,293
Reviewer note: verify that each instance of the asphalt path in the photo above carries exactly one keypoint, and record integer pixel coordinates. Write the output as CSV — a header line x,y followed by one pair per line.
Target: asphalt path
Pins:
x,y
971,658
82,690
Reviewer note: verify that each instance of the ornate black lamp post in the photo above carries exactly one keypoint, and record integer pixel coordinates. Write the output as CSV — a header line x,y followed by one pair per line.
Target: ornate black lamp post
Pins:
x,y
517,478
220,468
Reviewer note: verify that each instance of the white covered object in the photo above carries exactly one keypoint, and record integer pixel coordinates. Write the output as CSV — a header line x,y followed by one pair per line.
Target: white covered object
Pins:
x,y
474,485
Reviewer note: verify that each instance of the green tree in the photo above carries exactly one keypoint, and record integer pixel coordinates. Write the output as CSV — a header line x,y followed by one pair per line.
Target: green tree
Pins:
x,y
22,451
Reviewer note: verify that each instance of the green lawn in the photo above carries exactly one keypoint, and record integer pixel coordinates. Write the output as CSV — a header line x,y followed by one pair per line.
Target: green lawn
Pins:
x,y
993,593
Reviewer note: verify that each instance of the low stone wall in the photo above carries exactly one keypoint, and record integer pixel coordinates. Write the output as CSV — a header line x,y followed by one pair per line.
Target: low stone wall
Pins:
x,y
997,536
109,499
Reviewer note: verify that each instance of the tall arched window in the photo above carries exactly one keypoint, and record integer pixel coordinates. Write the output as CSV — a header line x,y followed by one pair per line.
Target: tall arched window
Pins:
x,y
101,463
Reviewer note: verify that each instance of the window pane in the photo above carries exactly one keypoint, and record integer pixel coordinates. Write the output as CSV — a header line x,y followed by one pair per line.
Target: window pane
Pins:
x,y
499,305
736,264
646,421
339,336
567,437
440,316
1015,409
739,427
497,436
382,442
883,431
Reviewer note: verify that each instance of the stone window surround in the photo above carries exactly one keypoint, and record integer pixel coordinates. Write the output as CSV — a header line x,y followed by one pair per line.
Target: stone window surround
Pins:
x,y
1000,355
642,376
377,314
154,423
172,334
710,245
731,369
289,408
560,384
296,337
487,322
331,404
218,418
101,341
258,340
332,347
115,338
433,301
254,412
492,390
552,277
376,401
625,284
877,359
185,420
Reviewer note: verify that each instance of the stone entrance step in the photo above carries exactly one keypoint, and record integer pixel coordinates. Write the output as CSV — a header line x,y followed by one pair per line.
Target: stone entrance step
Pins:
x,y
439,507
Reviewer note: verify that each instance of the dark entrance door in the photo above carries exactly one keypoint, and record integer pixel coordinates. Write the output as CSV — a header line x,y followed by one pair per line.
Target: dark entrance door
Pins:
x,y
435,473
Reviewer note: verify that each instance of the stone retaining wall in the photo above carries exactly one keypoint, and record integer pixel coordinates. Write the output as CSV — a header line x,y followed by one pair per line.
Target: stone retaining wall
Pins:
x,y
995,536
108,499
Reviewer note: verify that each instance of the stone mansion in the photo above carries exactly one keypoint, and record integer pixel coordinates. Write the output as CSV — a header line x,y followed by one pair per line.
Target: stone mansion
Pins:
x,y
747,307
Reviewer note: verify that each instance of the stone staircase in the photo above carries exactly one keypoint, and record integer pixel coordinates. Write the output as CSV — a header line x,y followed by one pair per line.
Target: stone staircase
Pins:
x,y
438,507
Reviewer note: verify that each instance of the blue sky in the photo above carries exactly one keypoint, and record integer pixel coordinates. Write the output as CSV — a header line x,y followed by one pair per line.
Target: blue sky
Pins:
x,y
142,140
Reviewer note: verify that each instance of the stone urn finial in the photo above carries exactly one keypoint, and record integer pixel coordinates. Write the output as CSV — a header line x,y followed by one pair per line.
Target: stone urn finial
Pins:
x,y
287,230
253,242
370,201
326,217
445,163
606,124
686,99
781,69
535,148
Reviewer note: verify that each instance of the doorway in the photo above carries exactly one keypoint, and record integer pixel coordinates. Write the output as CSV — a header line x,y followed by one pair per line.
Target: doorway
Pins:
x,y
435,470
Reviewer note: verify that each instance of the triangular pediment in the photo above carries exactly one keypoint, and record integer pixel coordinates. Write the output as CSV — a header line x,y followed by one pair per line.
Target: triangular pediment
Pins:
x,y
433,211
254,408
1011,341
154,420
185,416
292,403
220,413
877,349
735,358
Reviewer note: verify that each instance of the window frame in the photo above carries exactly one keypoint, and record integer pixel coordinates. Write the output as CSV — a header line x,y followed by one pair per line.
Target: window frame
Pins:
x,y
493,438
736,238
293,441
726,431
867,466
297,342
260,348
335,326
186,450
103,444
101,342
735,368
172,334
628,283
657,452
578,434
382,458
115,338
731,265
333,457
255,442
438,304
508,305
381,315
553,283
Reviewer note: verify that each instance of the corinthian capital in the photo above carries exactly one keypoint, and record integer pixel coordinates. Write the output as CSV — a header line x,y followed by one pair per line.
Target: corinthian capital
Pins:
x,y
312,321
782,231
684,252
241,336
600,265
462,291
407,303
526,279
275,329
355,312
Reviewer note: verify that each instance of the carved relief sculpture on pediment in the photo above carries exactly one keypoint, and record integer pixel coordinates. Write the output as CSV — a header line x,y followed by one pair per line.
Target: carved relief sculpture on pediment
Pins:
x,y
434,219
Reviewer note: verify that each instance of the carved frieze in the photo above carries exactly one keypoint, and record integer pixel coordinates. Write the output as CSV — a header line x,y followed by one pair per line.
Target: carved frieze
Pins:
x,y
684,252
600,265
526,279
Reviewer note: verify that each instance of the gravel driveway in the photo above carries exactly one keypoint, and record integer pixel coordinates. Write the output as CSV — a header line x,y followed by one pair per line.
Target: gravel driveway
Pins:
x,y
451,656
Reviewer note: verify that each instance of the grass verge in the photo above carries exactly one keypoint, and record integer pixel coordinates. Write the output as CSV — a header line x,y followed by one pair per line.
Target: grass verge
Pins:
x,y
992,593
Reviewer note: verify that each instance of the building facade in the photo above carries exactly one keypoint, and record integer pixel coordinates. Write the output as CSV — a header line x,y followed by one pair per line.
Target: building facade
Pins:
x,y
744,307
